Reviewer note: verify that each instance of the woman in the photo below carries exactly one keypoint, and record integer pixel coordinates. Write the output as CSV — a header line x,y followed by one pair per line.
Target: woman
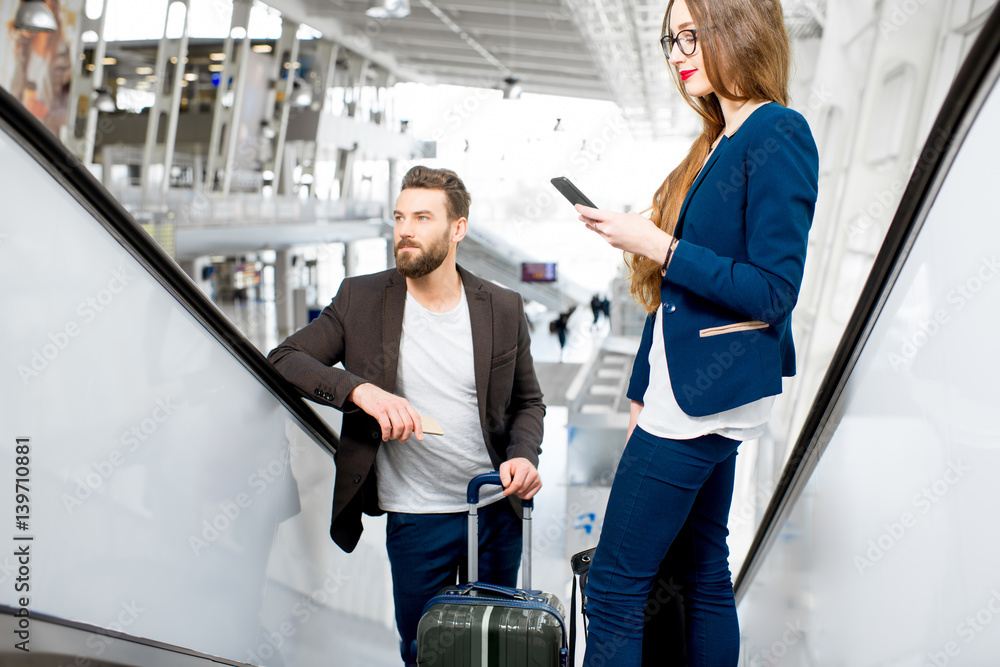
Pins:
x,y
718,269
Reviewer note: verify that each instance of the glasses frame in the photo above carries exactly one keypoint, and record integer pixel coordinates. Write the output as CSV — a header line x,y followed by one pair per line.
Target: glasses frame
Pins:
x,y
668,41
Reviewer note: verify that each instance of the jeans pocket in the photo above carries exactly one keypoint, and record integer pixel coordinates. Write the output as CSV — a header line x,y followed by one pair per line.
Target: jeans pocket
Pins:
x,y
396,522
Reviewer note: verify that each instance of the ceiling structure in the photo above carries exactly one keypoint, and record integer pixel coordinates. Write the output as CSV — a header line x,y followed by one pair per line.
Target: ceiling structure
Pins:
x,y
602,49
472,42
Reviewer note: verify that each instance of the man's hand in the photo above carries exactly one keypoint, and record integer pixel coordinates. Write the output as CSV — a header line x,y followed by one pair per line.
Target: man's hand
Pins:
x,y
395,415
520,476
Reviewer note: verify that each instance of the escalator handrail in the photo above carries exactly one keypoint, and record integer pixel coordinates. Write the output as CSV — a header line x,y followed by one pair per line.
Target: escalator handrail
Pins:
x,y
66,168
114,641
960,107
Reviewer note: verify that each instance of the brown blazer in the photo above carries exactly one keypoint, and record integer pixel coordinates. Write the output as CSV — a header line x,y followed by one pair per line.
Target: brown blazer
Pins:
x,y
361,328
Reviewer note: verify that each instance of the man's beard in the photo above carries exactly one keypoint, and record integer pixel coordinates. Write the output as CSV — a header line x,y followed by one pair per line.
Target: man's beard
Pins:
x,y
429,258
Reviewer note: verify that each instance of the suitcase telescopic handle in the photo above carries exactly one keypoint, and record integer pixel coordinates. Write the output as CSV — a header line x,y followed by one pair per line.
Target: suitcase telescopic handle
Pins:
x,y
472,496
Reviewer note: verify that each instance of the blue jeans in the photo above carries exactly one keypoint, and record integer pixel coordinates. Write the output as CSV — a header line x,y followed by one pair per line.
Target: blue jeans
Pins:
x,y
428,552
660,485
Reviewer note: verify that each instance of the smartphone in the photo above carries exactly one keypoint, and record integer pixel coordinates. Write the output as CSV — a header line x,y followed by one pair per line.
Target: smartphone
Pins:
x,y
571,192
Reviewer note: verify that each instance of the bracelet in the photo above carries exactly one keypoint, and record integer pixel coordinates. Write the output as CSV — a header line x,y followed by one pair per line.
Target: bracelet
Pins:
x,y
670,254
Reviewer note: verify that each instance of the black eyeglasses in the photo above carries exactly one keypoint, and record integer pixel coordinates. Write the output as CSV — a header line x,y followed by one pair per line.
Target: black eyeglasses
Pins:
x,y
686,41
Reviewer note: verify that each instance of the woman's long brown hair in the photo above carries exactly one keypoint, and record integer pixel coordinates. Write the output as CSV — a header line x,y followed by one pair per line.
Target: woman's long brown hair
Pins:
x,y
747,56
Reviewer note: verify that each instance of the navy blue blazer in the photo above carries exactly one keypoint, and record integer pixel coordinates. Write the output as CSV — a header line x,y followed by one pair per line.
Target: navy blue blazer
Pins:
x,y
735,275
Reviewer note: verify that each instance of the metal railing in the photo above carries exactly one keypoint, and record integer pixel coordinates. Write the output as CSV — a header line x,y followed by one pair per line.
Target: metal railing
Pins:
x,y
190,208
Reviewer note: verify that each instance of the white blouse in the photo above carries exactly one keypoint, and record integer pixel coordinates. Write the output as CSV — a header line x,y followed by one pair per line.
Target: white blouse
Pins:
x,y
662,416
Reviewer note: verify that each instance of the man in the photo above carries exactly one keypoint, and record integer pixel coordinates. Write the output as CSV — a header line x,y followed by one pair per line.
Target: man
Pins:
x,y
426,339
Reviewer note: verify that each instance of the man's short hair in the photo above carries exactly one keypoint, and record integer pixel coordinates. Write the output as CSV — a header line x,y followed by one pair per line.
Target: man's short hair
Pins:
x,y
446,180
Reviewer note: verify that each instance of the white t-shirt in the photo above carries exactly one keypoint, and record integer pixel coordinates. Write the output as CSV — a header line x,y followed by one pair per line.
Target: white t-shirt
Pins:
x,y
662,416
436,374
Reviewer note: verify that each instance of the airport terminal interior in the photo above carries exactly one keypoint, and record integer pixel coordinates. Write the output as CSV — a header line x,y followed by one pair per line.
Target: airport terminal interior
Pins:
x,y
185,183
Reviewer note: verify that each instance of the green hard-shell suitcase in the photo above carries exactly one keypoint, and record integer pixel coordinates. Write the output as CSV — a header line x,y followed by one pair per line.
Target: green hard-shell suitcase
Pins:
x,y
484,625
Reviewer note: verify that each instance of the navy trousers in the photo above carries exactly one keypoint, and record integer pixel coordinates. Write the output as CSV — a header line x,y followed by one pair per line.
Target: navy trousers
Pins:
x,y
428,552
661,486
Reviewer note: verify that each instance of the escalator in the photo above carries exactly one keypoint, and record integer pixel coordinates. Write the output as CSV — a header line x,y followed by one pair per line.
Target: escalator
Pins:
x,y
882,542
166,494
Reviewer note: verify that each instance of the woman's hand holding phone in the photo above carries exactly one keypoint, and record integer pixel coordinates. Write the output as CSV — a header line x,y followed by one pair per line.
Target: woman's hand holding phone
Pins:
x,y
630,232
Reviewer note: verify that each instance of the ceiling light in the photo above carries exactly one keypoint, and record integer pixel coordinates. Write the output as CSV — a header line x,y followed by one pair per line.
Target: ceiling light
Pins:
x,y
389,9
511,89
35,16
104,101
143,71
190,76
216,68
110,61
262,48
217,57
306,32
121,81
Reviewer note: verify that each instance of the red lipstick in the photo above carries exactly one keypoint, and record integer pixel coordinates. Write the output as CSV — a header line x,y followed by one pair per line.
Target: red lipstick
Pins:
x,y
687,74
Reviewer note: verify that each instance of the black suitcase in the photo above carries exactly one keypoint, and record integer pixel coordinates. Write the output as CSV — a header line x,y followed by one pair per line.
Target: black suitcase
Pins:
x,y
664,643
483,625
